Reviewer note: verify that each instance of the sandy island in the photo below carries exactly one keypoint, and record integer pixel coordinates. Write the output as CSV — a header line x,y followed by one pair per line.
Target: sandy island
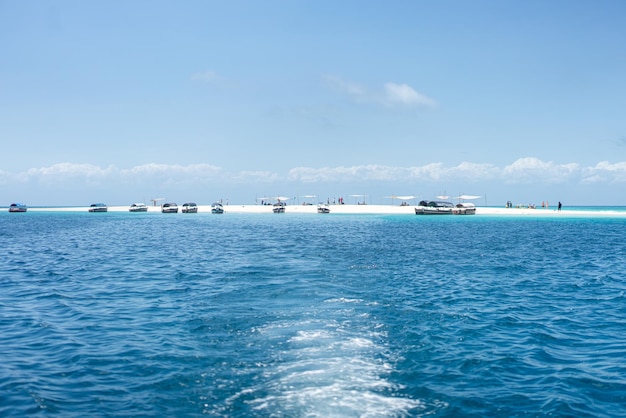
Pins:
x,y
362,210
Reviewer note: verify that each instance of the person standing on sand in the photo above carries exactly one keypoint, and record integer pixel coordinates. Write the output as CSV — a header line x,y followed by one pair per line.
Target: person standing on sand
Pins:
x,y
559,206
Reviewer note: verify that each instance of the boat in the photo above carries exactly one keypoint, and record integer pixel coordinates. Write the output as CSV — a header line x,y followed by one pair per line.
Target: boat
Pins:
x,y
138,207
17,208
169,208
323,208
217,207
434,207
98,207
190,208
464,209
279,207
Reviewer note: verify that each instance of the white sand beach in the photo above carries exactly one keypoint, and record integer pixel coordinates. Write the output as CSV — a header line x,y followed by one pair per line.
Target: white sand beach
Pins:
x,y
363,210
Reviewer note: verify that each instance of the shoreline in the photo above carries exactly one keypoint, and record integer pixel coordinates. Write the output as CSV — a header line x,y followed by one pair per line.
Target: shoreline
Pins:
x,y
362,210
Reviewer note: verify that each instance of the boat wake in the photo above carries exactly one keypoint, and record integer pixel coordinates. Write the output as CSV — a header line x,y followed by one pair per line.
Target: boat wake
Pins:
x,y
333,364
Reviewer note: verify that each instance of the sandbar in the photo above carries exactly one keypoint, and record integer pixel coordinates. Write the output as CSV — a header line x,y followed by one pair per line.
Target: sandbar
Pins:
x,y
361,210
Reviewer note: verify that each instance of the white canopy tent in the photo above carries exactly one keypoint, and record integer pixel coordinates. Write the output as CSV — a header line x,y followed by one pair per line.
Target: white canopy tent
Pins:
x,y
467,197
402,198
356,196
307,197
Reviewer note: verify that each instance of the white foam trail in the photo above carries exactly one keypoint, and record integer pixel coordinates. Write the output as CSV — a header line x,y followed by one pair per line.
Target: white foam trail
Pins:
x,y
329,368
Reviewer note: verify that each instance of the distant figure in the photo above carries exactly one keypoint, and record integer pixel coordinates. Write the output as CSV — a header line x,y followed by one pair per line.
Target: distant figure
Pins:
x,y
559,206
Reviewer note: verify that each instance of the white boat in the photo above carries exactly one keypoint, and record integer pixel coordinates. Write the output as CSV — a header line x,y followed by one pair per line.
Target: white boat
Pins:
x,y
464,209
138,207
323,208
190,208
434,207
279,207
217,207
169,208
98,207
17,208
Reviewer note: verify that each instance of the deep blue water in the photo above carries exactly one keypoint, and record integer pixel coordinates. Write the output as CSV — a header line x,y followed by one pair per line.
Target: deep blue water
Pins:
x,y
238,315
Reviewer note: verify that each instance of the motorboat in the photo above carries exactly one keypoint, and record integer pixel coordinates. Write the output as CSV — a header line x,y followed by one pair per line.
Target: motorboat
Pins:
x,y
138,207
98,207
190,208
323,208
464,209
17,208
434,207
169,208
217,207
279,207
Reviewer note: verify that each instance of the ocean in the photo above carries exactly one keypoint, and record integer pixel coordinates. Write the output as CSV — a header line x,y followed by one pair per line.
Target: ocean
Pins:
x,y
302,315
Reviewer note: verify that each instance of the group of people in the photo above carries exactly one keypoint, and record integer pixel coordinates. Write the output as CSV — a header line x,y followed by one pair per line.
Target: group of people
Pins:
x,y
544,205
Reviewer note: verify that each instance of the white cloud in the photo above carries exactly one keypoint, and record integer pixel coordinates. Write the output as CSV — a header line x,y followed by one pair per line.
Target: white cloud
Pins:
x,y
433,171
605,172
474,171
430,172
173,170
70,169
530,169
406,95
346,87
389,95
64,171
347,174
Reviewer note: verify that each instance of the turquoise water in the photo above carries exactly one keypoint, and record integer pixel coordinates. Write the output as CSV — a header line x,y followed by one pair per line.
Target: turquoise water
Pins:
x,y
239,315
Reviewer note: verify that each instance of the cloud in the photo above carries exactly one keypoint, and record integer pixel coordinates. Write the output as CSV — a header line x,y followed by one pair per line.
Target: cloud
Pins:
x,y
527,170
351,89
65,171
70,169
605,172
391,94
345,174
193,170
530,170
430,172
406,95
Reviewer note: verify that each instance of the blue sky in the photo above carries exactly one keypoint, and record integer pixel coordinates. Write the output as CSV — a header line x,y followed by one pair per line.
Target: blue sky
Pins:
x,y
122,101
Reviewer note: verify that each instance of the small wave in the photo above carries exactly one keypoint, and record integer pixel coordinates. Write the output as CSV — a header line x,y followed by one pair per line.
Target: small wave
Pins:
x,y
343,300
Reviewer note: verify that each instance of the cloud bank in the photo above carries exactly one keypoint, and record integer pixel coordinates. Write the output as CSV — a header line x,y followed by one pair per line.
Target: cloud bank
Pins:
x,y
528,170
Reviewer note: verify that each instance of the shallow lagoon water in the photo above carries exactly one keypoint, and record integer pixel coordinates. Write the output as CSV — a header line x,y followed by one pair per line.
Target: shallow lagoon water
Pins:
x,y
120,314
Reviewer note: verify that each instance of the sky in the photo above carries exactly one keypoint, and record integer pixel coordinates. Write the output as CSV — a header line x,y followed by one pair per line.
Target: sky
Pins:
x,y
198,100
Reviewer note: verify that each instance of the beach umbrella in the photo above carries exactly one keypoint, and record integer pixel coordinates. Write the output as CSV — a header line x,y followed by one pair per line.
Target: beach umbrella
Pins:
x,y
356,196
404,198
309,196
467,197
